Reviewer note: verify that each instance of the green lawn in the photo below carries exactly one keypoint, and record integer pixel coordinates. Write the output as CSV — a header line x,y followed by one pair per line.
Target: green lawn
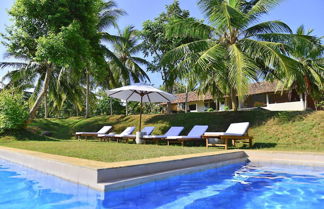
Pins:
x,y
289,131
107,152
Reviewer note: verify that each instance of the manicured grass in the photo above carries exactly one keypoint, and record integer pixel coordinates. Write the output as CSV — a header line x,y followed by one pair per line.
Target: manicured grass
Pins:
x,y
107,152
288,131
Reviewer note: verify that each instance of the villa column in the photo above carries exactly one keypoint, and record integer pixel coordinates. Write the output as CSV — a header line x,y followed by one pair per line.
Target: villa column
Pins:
x,y
216,105
267,99
239,103
302,100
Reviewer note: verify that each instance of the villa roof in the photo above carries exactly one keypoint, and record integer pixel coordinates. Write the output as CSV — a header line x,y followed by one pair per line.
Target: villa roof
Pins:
x,y
254,88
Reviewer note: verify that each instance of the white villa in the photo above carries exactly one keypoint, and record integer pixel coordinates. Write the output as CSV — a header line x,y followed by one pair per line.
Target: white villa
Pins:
x,y
262,94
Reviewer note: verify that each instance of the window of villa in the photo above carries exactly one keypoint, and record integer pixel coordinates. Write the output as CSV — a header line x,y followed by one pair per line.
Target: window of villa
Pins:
x,y
213,105
183,105
192,107
206,104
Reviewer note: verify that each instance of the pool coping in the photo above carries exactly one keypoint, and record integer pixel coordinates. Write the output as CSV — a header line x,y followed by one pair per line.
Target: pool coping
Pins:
x,y
105,176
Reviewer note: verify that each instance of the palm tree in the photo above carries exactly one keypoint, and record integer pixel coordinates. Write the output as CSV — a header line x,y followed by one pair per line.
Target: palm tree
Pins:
x,y
309,77
230,49
27,72
126,50
60,88
107,18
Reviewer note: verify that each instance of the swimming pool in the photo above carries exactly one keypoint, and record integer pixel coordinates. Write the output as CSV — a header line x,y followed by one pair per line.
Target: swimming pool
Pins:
x,y
243,185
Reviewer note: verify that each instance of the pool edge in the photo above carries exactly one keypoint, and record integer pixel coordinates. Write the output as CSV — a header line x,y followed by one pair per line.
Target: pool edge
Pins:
x,y
115,176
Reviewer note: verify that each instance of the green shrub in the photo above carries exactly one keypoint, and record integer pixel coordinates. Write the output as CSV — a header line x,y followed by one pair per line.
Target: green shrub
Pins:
x,y
13,110
210,110
320,105
226,108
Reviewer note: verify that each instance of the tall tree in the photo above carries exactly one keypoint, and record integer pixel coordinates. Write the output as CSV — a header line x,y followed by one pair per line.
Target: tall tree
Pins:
x,y
55,34
156,42
108,16
308,79
62,87
233,48
127,49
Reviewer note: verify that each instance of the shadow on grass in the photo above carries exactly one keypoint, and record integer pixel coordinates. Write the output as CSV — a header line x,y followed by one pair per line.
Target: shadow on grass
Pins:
x,y
259,145
284,117
219,121
25,135
57,129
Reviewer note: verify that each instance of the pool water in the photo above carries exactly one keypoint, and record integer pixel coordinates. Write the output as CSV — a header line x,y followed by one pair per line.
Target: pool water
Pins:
x,y
242,185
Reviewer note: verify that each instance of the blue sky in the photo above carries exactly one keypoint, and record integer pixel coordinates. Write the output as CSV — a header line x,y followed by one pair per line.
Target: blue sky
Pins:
x,y
293,12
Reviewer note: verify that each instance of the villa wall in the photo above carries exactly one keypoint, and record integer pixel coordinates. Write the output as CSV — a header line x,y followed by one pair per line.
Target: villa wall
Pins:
x,y
286,106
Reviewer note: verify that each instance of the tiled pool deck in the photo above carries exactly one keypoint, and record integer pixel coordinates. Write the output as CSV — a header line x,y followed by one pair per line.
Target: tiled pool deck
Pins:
x,y
104,176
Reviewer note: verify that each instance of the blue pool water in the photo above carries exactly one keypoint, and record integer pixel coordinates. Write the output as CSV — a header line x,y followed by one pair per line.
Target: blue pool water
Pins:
x,y
242,185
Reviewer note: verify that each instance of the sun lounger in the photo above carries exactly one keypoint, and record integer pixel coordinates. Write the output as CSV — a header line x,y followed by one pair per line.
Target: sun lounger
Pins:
x,y
194,135
173,131
103,130
146,131
236,131
127,131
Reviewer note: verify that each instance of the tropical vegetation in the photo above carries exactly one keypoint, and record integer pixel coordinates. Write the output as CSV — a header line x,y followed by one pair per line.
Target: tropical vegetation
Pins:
x,y
235,48
67,54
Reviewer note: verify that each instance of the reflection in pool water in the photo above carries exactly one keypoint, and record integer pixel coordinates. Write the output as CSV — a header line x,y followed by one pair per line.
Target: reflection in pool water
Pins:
x,y
242,185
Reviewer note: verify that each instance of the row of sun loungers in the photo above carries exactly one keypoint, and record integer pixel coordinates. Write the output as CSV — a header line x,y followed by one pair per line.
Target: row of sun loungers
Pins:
x,y
236,131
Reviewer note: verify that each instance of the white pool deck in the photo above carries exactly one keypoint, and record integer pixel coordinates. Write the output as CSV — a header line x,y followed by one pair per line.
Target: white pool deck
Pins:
x,y
104,176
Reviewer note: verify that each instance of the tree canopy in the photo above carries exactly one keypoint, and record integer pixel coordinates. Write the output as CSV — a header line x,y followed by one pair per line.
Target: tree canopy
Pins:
x,y
234,48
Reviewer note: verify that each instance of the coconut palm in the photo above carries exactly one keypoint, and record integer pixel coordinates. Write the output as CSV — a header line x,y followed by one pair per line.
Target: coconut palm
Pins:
x,y
25,75
309,77
126,49
31,75
108,17
231,49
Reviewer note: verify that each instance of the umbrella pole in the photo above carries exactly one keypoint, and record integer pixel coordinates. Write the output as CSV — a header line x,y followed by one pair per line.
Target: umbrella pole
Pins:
x,y
140,122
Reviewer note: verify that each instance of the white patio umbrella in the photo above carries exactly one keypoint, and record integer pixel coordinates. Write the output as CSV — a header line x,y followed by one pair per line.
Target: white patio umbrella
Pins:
x,y
141,93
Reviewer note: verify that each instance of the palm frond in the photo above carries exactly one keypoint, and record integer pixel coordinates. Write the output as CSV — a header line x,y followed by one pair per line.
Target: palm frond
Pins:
x,y
271,55
224,14
285,38
140,60
109,15
189,28
13,65
242,68
213,56
185,49
267,27
110,38
260,7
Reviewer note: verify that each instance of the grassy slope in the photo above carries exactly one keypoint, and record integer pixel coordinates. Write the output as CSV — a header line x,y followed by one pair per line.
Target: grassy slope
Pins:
x,y
103,151
295,131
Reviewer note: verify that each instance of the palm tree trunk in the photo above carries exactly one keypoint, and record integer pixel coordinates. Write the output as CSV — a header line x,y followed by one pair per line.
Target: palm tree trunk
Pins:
x,y
216,105
234,100
126,108
111,107
87,95
76,111
32,112
305,102
169,103
186,101
45,105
